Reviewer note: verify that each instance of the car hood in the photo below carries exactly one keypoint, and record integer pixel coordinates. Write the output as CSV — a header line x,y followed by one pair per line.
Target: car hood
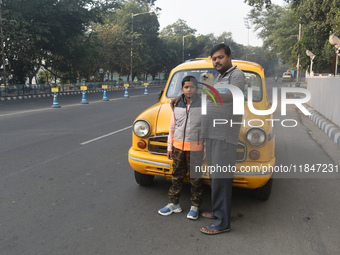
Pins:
x,y
164,118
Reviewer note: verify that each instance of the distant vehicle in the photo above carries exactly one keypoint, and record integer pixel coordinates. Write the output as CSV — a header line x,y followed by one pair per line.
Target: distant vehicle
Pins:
x,y
287,77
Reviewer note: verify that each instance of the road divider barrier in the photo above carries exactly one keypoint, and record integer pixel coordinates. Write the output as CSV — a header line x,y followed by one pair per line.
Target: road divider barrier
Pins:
x,y
83,98
55,98
38,91
126,94
146,88
104,93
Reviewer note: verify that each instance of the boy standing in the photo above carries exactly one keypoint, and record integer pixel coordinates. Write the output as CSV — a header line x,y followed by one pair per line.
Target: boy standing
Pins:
x,y
184,139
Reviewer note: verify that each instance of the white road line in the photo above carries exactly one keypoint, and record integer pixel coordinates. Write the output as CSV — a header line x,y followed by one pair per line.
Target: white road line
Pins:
x,y
22,112
103,136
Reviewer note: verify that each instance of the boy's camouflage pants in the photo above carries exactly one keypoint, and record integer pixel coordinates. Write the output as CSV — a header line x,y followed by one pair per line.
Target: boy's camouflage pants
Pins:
x,y
181,166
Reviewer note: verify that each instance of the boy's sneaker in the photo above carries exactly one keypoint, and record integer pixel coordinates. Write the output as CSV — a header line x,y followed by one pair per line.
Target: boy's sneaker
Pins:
x,y
169,209
193,213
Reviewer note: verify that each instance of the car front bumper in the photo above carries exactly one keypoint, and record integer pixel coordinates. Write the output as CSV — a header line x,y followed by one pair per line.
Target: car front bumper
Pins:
x,y
253,175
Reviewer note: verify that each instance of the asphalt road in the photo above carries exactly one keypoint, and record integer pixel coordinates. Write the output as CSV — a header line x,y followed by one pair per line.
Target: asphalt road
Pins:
x,y
66,187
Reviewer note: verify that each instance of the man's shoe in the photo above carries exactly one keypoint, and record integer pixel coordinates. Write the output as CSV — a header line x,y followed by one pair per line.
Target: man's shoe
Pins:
x,y
214,230
193,213
169,209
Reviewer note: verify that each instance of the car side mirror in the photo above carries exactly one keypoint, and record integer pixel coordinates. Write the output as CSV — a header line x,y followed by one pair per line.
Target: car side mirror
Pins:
x,y
160,95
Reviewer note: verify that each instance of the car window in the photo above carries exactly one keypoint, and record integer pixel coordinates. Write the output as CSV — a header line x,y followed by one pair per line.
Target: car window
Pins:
x,y
254,80
208,76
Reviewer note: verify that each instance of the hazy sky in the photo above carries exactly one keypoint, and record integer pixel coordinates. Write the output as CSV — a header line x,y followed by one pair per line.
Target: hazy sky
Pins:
x,y
214,16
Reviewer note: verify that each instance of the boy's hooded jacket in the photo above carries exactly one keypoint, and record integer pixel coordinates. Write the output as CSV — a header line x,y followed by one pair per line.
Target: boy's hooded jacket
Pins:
x,y
187,135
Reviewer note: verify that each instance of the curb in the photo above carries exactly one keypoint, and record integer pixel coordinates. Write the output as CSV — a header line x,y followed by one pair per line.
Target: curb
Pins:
x,y
332,130
24,97
66,93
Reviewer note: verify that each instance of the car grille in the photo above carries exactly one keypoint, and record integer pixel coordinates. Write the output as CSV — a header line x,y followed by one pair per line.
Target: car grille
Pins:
x,y
159,145
241,152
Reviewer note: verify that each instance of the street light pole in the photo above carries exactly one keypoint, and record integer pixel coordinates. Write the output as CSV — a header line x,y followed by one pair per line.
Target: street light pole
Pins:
x,y
131,60
336,64
334,40
246,23
131,47
183,46
2,46
312,56
298,62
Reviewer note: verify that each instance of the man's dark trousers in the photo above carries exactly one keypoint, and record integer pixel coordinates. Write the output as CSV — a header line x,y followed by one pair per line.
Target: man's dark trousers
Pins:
x,y
222,154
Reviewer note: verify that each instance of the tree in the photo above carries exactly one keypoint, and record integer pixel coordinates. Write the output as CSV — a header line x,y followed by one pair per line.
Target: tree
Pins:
x,y
319,19
278,27
116,50
227,38
171,53
259,4
205,44
47,27
144,37
179,28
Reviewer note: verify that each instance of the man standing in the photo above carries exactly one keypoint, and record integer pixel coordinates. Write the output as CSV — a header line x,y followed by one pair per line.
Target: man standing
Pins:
x,y
221,140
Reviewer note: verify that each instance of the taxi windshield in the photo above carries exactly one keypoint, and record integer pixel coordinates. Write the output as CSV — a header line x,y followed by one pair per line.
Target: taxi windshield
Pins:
x,y
208,76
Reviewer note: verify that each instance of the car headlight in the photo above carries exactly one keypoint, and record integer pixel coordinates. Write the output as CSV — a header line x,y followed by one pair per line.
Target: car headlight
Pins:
x,y
256,137
141,128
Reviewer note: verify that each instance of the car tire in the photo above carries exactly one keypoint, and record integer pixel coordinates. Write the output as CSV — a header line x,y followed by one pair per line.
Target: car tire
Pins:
x,y
263,193
144,179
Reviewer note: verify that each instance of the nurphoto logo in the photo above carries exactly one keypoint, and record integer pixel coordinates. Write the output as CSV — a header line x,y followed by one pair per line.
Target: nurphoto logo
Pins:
x,y
238,102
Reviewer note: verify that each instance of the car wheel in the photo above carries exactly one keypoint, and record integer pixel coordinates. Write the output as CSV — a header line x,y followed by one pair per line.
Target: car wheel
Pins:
x,y
263,193
144,179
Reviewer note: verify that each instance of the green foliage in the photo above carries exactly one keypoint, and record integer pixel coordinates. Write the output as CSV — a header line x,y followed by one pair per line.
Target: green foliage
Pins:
x,y
171,48
278,27
136,16
38,31
259,4
71,39
179,28
116,51
320,19
43,77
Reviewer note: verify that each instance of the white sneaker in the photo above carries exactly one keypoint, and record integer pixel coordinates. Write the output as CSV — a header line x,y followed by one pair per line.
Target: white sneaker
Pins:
x,y
169,209
193,213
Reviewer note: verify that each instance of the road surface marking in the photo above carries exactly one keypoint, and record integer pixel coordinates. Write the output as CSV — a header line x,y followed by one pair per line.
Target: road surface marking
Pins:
x,y
103,136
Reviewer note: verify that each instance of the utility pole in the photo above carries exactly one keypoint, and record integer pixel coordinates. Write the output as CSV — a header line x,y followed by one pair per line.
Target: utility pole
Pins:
x,y
2,47
183,46
131,51
298,62
247,24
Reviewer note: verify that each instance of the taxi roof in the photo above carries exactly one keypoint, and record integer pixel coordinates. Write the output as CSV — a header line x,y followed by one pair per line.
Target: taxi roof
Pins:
x,y
207,63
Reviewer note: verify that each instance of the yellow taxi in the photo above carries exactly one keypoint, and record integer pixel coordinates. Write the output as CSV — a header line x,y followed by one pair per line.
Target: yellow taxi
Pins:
x,y
287,77
256,146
